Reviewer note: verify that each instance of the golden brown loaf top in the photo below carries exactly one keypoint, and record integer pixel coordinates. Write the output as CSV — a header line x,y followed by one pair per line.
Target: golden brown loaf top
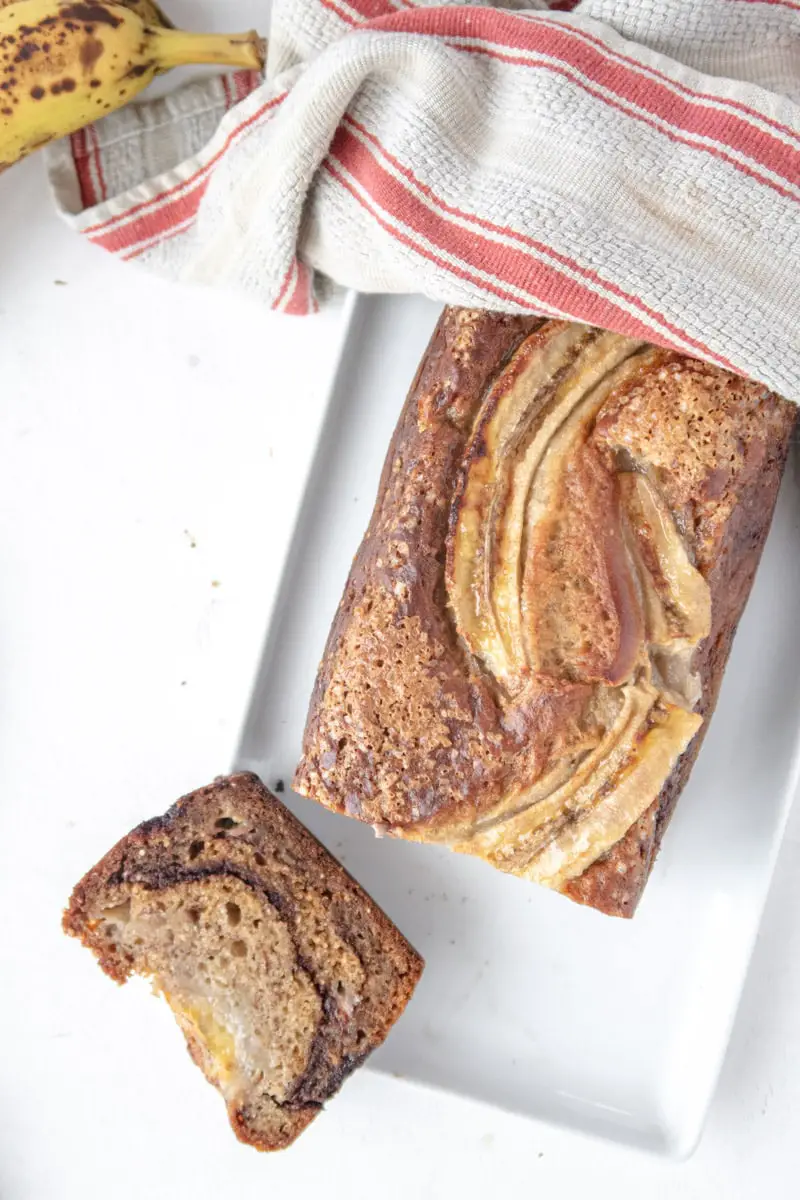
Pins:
x,y
281,971
534,630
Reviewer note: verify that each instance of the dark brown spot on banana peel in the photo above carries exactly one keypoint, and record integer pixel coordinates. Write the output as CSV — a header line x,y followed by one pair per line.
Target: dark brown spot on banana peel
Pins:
x,y
92,12
91,49
139,70
37,92
26,52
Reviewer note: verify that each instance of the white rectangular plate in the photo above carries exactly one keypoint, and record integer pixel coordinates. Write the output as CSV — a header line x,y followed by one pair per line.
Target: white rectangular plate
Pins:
x,y
529,1002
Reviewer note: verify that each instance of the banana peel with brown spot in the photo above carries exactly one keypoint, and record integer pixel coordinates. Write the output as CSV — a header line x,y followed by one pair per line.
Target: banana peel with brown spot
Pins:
x,y
148,10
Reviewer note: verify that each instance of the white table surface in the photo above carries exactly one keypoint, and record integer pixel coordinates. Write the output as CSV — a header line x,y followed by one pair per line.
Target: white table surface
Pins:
x,y
152,441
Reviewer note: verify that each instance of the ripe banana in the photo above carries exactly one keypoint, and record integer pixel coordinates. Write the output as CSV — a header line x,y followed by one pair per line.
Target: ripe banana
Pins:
x,y
148,10
65,64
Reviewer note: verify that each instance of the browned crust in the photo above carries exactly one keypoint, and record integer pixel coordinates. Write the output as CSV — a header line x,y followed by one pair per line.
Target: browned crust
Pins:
x,y
441,781
614,884
439,405
144,857
462,358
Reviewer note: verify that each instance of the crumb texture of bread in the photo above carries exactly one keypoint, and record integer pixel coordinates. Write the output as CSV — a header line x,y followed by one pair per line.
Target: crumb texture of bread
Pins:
x,y
532,638
281,971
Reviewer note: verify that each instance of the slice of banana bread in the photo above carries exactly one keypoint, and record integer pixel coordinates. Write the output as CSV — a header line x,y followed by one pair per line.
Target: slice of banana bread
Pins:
x,y
281,971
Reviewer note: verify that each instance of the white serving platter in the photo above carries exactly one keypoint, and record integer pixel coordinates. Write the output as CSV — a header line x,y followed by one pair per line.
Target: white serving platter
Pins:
x,y
529,1002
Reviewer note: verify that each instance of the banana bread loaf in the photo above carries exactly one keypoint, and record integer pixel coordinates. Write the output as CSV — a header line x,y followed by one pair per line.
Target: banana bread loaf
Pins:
x,y
281,971
534,631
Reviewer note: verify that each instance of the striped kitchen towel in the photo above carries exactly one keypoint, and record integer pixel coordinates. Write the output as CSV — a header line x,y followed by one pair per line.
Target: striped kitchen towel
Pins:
x,y
633,164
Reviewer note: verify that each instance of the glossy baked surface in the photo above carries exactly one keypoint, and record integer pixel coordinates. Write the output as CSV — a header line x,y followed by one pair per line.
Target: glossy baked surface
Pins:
x,y
535,626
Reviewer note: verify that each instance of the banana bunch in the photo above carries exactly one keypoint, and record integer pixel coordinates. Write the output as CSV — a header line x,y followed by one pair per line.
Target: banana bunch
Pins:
x,y
64,64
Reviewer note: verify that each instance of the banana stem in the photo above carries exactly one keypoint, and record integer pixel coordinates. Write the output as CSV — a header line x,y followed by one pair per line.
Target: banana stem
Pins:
x,y
176,48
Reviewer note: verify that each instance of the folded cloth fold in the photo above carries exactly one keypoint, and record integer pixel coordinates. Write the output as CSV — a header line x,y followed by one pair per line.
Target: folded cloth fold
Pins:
x,y
633,164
